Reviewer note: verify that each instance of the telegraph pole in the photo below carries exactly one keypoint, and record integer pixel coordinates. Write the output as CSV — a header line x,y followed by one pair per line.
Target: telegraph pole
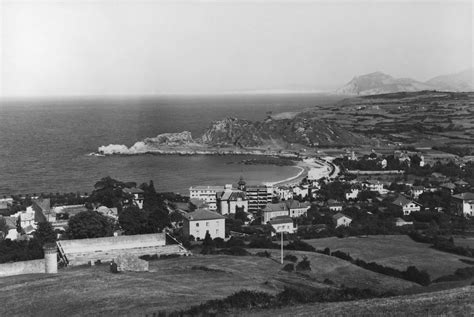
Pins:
x,y
281,247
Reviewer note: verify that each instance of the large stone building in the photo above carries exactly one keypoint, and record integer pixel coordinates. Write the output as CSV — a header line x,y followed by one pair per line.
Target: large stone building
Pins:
x,y
200,221
231,200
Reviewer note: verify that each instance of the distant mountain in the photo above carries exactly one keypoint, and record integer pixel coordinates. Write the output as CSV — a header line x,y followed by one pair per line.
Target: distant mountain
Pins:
x,y
462,81
380,83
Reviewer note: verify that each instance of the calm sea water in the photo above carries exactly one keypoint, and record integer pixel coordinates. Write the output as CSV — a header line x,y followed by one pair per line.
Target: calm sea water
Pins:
x,y
44,143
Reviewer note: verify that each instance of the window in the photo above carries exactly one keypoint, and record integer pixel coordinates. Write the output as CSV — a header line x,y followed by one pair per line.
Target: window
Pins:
x,y
217,231
197,224
207,224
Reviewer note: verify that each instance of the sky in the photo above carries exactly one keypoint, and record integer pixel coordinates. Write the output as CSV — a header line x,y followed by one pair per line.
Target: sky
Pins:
x,y
106,47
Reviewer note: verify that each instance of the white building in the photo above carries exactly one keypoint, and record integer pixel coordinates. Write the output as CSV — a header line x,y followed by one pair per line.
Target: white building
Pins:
x,y
297,209
464,204
207,194
282,224
406,205
274,210
284,193
137,195
352,194
416,191
341,220
230,200
198,222
300,191
374,186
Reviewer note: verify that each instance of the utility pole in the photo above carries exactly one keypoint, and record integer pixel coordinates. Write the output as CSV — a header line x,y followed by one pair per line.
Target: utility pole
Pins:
x,y
281,247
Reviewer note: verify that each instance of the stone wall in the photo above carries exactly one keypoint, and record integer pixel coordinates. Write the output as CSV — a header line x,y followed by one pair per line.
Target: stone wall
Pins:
x,y
22,267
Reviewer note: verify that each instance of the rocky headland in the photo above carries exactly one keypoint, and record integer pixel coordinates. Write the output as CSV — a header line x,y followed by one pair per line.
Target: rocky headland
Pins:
x,y
285,136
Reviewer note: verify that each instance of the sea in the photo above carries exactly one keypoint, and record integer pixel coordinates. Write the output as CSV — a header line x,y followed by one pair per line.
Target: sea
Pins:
x,y
45,143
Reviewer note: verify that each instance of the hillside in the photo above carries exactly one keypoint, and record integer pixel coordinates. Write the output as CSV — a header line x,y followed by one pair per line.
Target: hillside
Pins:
x,y
462,81
380,83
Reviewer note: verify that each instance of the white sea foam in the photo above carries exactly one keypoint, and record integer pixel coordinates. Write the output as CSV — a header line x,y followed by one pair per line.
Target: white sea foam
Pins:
x,y
137,148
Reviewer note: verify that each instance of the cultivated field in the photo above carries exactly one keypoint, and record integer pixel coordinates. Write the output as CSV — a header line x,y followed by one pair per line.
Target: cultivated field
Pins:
x,y
173,284
395,251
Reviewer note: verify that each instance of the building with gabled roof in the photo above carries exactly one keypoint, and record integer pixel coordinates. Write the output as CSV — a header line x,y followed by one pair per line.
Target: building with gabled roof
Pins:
x,y
296,208
464,204
137,196
207,193
200,221
406,205
274,210
231,200
341,220
283,224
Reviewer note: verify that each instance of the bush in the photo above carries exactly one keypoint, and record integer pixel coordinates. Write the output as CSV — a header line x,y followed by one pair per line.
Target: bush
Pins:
x,y
264,254
290,257
219,243
235,242
238,251
300,246
263,243
290,267
303,265
459,275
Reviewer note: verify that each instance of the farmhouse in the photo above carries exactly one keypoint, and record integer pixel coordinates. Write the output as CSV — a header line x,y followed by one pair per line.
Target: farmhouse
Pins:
x,y
341,220
84,251
282,224
406,205
464,204
198,222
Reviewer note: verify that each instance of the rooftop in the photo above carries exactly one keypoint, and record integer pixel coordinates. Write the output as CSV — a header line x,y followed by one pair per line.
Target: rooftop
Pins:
x,y
339,216
275,207
233,194
202,214
464,196
212,188
294,204
402,201
133,190
280,220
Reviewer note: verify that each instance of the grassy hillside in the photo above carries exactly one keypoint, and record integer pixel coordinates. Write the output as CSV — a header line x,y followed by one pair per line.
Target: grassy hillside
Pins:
x,y
395,251
173,284
454,302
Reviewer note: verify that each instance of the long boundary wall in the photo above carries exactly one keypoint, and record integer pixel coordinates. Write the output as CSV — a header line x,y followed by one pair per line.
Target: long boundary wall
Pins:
x,y
22,267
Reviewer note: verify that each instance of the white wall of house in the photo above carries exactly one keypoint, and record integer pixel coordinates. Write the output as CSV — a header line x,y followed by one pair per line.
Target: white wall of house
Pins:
x,y
268,215
343,221
198,228
288,227
298,212
409,208
466,207
230,207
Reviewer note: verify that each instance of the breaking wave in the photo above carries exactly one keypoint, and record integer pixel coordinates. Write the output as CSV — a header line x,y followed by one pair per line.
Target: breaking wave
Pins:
x,y
138,148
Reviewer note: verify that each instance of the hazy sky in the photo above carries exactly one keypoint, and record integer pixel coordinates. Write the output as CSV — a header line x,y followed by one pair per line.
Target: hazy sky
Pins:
x,y
146,47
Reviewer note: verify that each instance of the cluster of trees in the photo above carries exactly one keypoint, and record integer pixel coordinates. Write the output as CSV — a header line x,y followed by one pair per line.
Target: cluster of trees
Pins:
x,y
372,163
25,250
154,216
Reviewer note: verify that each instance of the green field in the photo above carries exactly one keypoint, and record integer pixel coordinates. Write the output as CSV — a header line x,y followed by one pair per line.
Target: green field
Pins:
x,y
395,251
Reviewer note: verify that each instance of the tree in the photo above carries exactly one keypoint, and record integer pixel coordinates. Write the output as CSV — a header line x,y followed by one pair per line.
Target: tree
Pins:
x,y
133,221
208,244
45,233
89,224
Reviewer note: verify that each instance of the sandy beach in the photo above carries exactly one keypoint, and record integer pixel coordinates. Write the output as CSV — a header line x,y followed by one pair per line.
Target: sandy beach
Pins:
x,y
314,168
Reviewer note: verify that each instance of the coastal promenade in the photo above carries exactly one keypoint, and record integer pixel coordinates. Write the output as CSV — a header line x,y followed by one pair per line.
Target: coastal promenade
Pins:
x,y
315,167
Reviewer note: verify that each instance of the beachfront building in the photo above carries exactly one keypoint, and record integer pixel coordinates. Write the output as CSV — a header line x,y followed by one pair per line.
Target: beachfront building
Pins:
x,y
282,224
284,192
464,204
200,221
258,196
231,200
137,196
207,194
302,191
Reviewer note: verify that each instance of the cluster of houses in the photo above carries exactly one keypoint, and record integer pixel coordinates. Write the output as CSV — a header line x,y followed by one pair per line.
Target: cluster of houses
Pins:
x,y
22,224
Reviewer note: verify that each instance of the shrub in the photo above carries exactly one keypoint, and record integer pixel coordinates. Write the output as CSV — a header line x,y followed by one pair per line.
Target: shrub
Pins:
x,y
262,243
290,267
264,254
290,257
235,242
219,243
300,246
459,275
238,251
303,265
